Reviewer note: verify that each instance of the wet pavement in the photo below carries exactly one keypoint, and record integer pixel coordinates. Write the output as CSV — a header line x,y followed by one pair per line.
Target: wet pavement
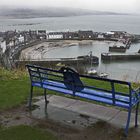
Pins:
x,y
79,114
58,113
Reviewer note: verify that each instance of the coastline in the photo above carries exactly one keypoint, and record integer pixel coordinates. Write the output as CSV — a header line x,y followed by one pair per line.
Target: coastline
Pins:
x,y
37,52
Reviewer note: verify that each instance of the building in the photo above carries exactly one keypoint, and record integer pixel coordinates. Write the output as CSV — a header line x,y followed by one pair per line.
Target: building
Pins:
x,y
3,46
55,35
41,34
21,38
101,36
119,34
33,34
85,35
70,35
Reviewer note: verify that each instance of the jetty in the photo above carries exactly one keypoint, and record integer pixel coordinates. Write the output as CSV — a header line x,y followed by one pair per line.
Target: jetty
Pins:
x,y
112,57
65,61
121,49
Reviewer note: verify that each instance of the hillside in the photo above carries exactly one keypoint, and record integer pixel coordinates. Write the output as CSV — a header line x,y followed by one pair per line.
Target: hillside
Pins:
x,y
47,12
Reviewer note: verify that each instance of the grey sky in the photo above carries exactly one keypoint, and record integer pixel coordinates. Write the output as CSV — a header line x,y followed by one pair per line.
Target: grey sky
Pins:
x,y
103,5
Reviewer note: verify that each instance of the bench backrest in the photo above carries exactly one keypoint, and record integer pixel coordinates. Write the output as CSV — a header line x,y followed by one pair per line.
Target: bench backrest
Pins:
x,y
40,74
114,87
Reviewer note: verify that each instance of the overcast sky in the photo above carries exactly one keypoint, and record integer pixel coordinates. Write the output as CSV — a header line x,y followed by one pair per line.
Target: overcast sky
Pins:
x,y
102,5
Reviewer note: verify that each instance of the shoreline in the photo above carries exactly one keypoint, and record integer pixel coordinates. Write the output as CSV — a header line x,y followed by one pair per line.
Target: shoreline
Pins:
x,y
39,50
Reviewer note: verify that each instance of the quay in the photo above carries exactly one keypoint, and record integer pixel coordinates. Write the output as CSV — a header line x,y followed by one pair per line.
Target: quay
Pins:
x,y
54,61
112,57
117,49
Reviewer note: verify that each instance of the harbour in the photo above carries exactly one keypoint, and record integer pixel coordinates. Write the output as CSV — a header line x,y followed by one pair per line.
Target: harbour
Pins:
x,y
117,69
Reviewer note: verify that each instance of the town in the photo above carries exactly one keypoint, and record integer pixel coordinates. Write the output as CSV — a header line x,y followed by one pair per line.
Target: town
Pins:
x,y
13,42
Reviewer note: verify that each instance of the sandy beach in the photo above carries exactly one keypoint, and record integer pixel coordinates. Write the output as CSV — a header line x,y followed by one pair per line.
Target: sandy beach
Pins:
x,y
37,52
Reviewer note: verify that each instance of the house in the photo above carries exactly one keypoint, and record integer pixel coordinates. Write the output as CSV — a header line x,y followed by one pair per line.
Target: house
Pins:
x,y
84,35
3,46
119,34
21,38
54,35
27,36
10,43
2,34
41,34
33,34
71,35
101,36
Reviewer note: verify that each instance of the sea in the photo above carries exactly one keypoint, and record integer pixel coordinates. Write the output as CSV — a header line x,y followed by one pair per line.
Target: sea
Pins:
x,y
122,70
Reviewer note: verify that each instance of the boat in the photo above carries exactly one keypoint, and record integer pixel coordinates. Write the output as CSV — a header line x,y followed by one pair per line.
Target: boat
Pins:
x,y
92,72
103,75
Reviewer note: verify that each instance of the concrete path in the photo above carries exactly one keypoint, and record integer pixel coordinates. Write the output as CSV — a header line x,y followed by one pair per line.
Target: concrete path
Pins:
x,y
65,109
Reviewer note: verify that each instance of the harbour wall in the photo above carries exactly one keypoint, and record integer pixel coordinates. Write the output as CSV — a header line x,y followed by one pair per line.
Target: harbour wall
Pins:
x,y
115,57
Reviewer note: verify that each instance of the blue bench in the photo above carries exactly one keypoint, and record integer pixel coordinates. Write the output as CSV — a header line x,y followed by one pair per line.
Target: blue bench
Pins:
x,y
69,82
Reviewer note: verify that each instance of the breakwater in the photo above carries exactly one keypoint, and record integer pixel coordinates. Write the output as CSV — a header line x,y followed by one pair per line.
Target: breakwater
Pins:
x,y
117,49
114,57
64,61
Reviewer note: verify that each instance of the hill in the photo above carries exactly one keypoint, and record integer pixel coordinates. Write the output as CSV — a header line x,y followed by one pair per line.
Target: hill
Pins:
x,y
48,12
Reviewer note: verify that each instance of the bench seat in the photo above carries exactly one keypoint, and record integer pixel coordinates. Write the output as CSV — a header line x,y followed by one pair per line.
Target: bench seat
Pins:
x,y
87,93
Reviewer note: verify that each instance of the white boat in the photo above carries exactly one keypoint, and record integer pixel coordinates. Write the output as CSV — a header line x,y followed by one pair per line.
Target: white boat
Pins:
x,y
60,64
103,75
92,72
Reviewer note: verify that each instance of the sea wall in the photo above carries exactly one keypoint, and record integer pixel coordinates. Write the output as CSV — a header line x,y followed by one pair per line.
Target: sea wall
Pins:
x,y
113,57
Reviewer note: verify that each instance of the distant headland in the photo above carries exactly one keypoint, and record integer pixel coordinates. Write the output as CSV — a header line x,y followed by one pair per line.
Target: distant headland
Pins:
x,y
15,12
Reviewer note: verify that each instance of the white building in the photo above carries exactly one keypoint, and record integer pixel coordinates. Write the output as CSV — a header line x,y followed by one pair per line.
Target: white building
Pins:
x,y
3,46
21,39
11,43
100,36
110,33
55,35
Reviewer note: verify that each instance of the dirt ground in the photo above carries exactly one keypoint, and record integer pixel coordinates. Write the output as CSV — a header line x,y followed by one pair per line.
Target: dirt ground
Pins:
x,y
99,131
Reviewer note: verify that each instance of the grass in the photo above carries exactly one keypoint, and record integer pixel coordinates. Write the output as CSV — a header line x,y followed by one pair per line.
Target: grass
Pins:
x,y
13,93
23,132
106,85
14,88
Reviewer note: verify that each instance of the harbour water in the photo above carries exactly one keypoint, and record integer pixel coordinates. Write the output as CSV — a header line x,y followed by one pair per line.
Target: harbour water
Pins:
x,y
124,70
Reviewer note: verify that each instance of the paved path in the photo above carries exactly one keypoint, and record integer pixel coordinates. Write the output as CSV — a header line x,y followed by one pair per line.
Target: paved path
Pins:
x,y
61,108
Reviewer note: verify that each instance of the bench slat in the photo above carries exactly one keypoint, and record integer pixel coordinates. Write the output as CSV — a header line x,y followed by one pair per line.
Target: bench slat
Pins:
x,y
90,93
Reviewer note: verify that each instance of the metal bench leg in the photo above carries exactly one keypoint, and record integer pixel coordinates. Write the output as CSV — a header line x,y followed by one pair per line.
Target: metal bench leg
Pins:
x,y
30,98
136,115
46,110
128,122
45,95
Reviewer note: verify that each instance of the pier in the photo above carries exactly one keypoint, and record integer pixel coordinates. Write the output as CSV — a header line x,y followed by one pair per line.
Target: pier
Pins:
x,y
117,49
112,57
54,61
